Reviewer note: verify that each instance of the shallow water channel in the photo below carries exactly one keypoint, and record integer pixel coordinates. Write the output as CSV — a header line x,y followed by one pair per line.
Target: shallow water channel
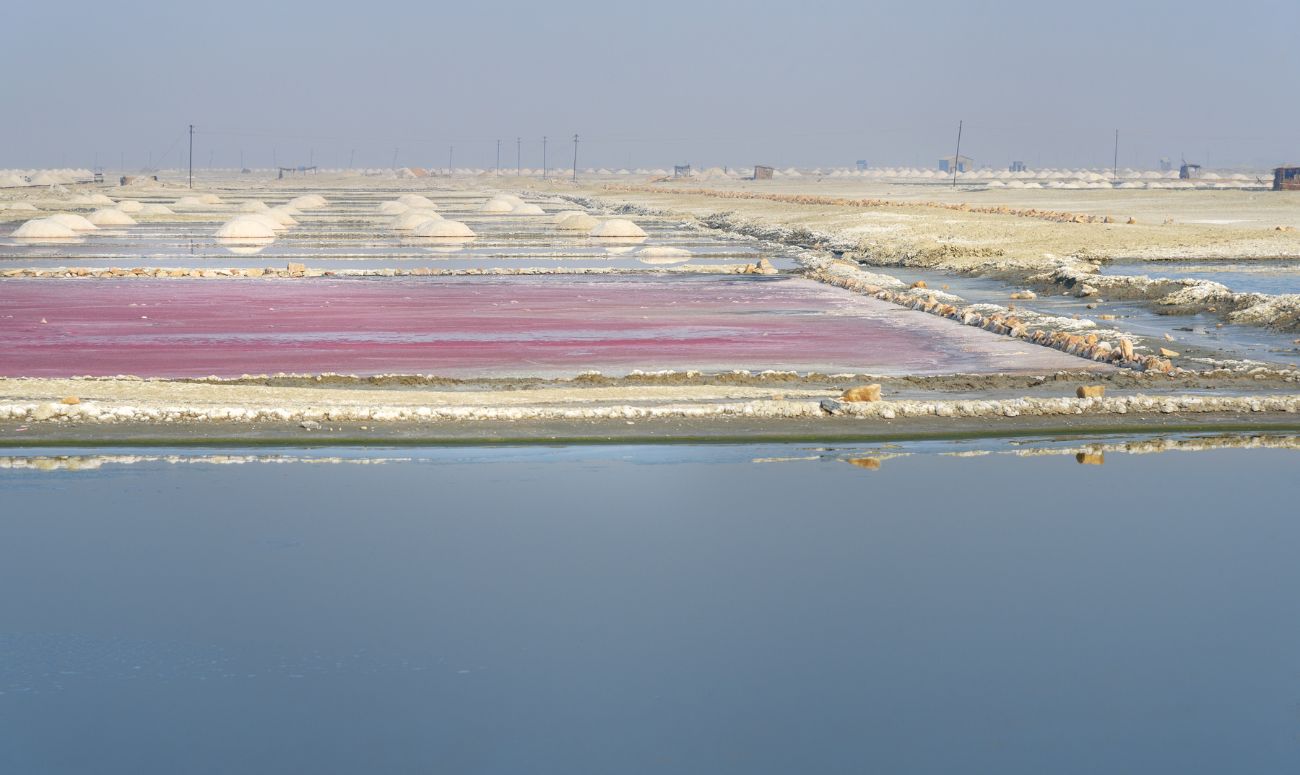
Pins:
x,y
928,607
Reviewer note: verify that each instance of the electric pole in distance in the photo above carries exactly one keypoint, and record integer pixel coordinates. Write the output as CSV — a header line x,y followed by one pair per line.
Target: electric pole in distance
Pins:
x,y
543,157
519,156
575,158
191,175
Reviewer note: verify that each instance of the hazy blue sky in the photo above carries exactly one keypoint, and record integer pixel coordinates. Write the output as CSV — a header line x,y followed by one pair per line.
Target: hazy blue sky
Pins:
x,y
710,83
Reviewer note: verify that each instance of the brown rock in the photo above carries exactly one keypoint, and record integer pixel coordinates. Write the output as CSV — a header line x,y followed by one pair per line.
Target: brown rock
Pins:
x,y
862,393
1090,458
869,463
1167,353
71,400
1026,294
1126,349
295,268
1090,391
919,284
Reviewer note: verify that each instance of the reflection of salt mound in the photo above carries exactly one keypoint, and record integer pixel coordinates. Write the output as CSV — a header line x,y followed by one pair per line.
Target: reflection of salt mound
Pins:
x,y
413,218
392,208
663,255
527,209
246,228
43,229
309,202
129,206
617,227
73,221
245,250
442,229
578,222
210,199
417,201
497,206
280,215
110,216
156,209
254,206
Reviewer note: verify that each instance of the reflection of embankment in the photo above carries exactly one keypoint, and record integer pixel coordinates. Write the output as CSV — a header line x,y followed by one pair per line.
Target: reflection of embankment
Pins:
x,y
93,462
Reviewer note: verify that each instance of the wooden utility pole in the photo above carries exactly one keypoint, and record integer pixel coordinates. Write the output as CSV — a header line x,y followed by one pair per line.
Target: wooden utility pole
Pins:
x,y
543,157
191,175
575,158
519,156
956,160
1114,170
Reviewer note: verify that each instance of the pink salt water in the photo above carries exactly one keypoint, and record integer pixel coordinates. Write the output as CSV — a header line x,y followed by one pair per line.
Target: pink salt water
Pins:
x,y
464,327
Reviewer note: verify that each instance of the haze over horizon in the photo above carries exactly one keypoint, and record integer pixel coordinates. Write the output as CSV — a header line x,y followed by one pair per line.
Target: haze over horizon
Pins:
x,y
712,84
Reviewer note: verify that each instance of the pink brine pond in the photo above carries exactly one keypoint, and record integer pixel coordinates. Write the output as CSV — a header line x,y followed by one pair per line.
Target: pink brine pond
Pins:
x,y
464,327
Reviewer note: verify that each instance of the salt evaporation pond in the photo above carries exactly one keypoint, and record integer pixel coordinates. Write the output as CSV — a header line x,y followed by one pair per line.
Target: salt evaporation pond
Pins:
x,y
508,326
748,609
1258,276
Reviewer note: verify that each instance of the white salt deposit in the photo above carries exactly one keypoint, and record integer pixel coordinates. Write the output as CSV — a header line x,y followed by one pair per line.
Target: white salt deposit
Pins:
x,y
527,209
254,206
210,199
617,227
663,255
190,203
578,222
129,206
497,206
11,181
42,229
392,208
309,202
280,215
442,229
564,214
24,206
416,200
155,209
413,218
245,227
73,221
110,216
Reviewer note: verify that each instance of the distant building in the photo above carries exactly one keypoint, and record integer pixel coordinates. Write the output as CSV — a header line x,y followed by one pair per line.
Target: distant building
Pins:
x,y
1189,171
1286,179
862,165
681,170
959,163
1166,165
762,173
1017,166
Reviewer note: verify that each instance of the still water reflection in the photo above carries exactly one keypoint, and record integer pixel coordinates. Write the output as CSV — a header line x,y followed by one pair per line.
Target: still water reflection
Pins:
x,y
771,608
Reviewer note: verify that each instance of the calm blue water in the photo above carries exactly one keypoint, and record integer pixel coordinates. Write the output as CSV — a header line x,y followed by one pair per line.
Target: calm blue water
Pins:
x,y
650,610
1245,277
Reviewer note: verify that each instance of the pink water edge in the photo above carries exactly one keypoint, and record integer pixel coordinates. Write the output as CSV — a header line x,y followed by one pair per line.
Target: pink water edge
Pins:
x,y
465,327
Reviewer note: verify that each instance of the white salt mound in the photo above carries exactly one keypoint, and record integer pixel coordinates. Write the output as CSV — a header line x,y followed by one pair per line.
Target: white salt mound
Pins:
x,y
392,208
210,199
43,228
309,202
129,206
155,209
564,214
415,200
578,222
617,227
497,206
254,206
280,215
664,255
413,218
245,227
110,216
11,181
269,219
73,221
527,209
442,229
24,206
190,202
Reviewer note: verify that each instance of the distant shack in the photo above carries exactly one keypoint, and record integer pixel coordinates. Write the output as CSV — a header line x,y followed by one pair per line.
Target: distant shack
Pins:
x,y
762,173
1286,179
